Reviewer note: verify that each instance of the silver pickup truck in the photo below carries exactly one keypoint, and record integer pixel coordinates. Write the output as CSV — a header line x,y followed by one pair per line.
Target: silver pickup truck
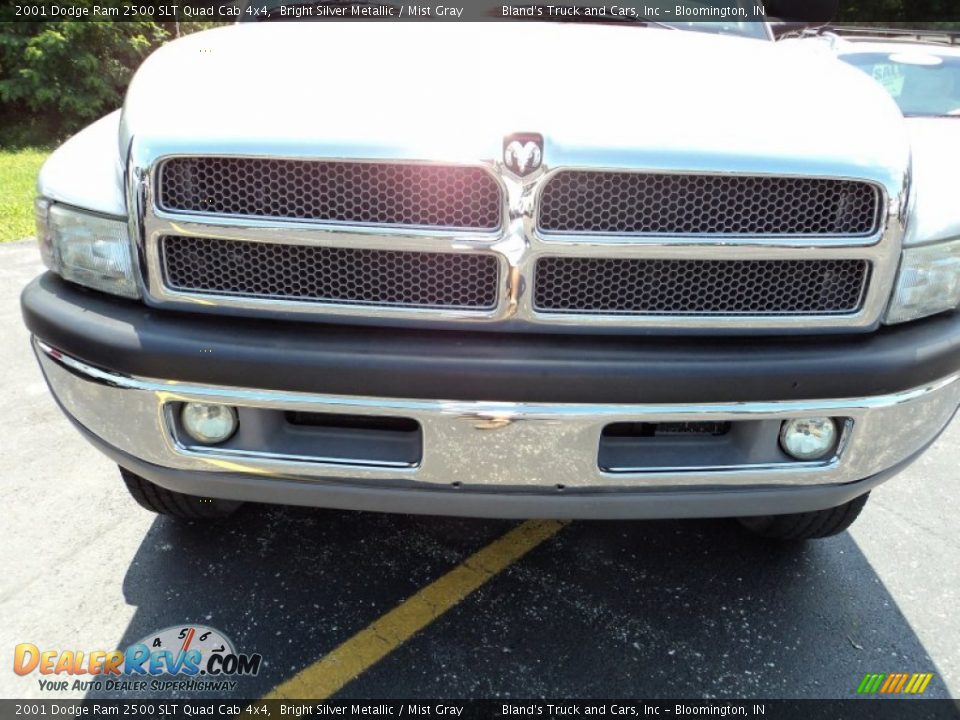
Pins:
x,y
586,270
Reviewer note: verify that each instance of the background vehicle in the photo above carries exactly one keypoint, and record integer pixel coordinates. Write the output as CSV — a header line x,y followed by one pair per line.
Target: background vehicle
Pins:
x,y
552,297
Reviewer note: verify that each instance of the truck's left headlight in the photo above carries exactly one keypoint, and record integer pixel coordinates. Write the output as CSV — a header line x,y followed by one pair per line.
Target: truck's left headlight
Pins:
x,y
88,249
928,282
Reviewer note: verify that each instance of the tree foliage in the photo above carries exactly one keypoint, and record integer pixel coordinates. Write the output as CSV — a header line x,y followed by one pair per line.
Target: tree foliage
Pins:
x,y
929,13
59,75
68,73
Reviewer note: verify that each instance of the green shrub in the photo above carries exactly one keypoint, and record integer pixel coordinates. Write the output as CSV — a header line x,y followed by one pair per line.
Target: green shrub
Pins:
x,y
58,76
66,74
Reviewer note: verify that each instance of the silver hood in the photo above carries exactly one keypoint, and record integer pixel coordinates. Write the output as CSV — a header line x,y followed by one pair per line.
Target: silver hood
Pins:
x,y
935,194
610,95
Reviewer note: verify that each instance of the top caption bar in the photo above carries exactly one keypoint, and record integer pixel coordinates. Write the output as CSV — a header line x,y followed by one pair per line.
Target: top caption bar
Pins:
x,y
652,11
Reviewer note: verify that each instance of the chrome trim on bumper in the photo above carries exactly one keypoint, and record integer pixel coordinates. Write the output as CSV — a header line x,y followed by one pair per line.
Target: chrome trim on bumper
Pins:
x,y
488,445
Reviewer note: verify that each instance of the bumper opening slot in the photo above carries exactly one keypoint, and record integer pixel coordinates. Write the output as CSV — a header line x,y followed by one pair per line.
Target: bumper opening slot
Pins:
x,y
667,429
355,422
633,447
341,439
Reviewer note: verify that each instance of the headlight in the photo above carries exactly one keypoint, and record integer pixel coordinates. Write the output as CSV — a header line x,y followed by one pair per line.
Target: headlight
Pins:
x,y
88,249
928,283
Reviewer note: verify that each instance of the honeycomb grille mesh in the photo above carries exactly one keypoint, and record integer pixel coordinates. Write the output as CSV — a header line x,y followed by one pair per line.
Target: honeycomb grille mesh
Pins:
x,y
699,287
330,275
350,192
622,202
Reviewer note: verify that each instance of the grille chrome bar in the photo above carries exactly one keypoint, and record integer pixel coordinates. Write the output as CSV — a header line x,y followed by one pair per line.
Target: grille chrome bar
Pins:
x,y
359,193
333,275
599,286
637,203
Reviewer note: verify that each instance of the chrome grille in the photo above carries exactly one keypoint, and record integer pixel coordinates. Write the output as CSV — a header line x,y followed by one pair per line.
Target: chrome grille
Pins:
x,y
575,201
362,193
598,250
307,273
605,286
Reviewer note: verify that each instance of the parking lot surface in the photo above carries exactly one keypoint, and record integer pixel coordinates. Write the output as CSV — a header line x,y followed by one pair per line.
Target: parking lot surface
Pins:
x,y
592,609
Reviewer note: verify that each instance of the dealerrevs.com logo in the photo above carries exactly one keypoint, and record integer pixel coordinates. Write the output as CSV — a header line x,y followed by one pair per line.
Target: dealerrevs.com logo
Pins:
x,y
191,657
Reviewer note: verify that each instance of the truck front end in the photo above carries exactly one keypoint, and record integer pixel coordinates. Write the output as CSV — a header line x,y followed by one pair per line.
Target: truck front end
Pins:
x,y
673,281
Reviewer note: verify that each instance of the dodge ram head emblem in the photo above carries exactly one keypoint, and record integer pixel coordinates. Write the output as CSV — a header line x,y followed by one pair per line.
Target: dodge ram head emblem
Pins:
x,y
523,152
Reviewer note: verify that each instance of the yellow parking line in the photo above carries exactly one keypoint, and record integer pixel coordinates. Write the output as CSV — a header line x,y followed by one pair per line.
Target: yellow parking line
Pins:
x,y
384,635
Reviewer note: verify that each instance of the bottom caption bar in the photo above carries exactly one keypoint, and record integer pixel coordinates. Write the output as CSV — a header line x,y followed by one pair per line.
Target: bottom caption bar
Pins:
x,y
872,709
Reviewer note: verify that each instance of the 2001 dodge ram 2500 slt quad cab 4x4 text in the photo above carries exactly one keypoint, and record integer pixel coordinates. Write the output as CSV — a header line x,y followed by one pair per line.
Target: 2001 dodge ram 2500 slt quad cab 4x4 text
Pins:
x,y
629,272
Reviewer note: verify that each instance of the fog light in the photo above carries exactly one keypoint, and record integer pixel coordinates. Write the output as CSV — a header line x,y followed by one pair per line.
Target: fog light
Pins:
x,y
209,424
809,438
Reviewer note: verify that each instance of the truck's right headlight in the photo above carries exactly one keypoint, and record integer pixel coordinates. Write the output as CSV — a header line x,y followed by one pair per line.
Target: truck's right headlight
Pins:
x,y
90,250
928,282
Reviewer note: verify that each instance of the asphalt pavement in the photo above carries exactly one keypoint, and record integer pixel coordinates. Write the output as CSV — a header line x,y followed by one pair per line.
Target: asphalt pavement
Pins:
x,y
661,609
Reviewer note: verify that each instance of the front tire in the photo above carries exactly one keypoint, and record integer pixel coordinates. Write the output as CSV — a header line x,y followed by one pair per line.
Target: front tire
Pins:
x,y
179,505
807,525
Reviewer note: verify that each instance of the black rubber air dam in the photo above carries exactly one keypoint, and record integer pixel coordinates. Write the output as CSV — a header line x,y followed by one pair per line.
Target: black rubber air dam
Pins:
x,y
130,338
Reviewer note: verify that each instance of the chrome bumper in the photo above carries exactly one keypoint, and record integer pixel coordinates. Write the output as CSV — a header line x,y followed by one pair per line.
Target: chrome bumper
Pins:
x,y
531,448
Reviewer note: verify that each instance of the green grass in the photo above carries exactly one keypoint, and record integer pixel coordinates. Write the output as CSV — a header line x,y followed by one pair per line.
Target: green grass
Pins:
x,y
18,177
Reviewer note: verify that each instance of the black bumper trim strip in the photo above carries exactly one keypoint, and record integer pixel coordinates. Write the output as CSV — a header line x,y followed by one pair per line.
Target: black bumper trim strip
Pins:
x,y
132,339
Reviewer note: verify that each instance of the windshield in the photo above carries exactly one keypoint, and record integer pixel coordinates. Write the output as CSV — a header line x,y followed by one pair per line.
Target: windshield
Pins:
x,y
922,82
720,19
